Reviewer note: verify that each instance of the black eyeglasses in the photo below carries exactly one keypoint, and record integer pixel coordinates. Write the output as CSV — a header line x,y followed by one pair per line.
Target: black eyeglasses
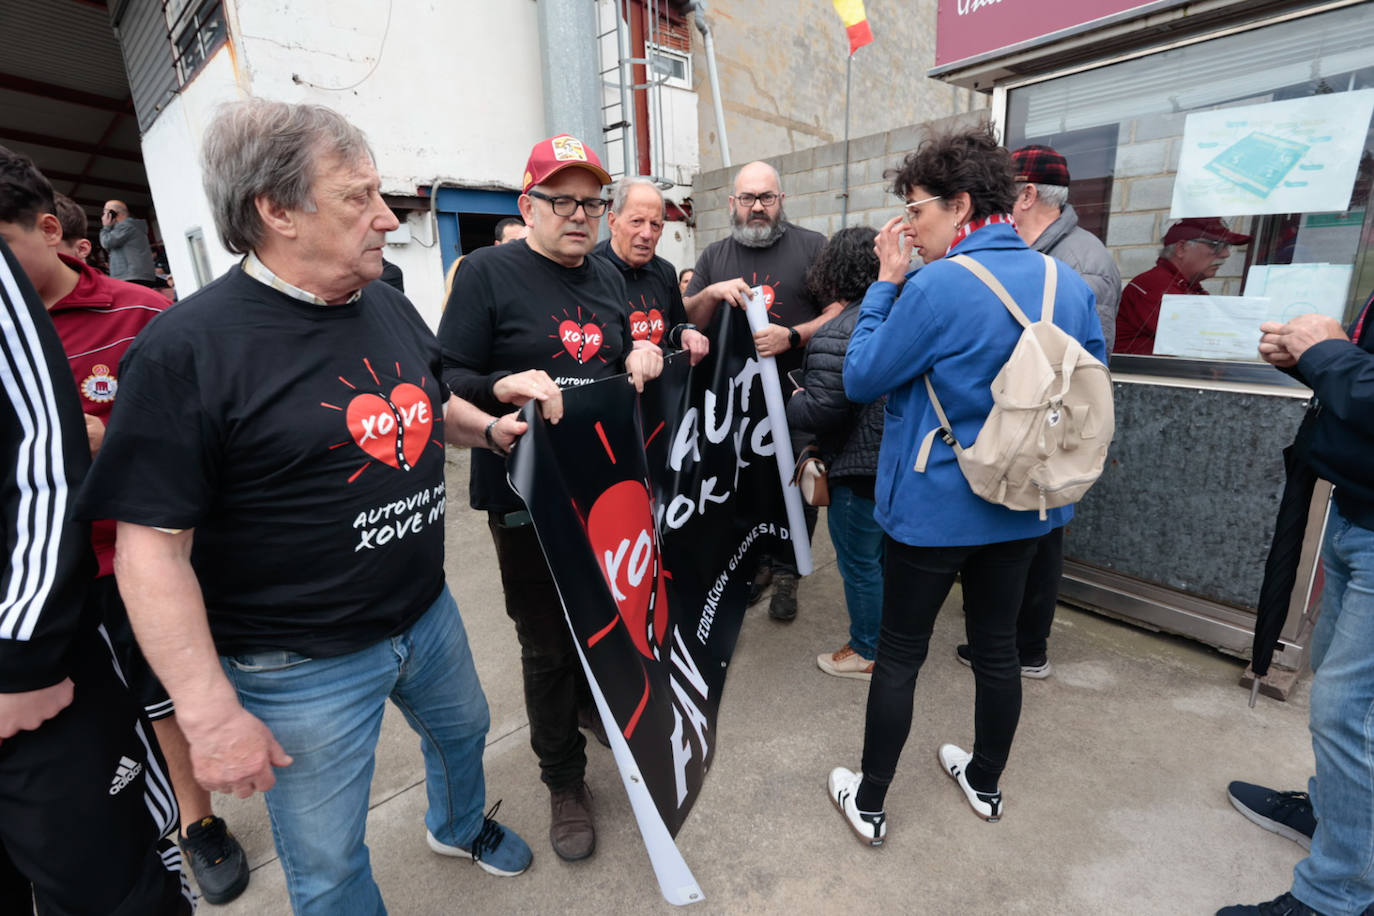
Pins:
x,y
767,198
567,206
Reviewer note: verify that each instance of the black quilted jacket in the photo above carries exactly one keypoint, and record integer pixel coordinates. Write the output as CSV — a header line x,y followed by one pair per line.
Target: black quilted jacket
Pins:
x,y
849,434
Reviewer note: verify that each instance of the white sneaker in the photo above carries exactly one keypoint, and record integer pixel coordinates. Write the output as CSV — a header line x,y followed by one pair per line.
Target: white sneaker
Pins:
x,y
954,760
844,786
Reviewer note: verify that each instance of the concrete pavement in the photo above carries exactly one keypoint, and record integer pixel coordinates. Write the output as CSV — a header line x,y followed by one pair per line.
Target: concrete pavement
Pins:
x,y
1115,794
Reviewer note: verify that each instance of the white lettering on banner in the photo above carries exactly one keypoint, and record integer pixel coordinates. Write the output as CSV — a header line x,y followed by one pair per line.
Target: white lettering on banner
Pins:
x,y
640,558
686,445
398,518
968,6
713,595
684,704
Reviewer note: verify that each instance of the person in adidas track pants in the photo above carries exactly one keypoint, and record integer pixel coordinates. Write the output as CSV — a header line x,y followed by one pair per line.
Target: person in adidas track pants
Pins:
x,y
85,807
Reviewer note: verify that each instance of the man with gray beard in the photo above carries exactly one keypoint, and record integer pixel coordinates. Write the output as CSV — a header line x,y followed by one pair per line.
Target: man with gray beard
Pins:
x,y
765,250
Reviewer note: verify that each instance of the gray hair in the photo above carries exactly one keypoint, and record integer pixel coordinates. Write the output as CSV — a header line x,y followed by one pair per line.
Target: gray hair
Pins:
x,y
1167,252
260,148
1054,196
620,192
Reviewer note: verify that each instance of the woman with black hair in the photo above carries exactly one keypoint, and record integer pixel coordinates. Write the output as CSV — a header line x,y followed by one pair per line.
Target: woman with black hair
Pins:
x,y
848,435
944,325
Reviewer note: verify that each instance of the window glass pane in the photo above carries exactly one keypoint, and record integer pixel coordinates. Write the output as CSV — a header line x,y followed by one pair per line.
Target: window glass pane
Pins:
x,y
1207,144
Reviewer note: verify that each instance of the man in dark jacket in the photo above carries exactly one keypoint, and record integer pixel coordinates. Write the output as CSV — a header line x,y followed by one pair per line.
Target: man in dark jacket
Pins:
x,y
1046,221
1338,874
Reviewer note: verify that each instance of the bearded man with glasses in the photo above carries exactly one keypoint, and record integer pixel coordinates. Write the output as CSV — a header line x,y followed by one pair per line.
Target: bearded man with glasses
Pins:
x,y
1193,250
523,321
766,250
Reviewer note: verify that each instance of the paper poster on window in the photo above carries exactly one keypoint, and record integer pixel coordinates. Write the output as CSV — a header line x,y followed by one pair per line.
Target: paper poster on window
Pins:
x,y
1294,156
1301,289
1212,327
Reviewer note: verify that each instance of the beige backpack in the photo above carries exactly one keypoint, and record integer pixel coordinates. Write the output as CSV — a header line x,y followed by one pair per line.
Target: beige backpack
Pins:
x,y
1045,441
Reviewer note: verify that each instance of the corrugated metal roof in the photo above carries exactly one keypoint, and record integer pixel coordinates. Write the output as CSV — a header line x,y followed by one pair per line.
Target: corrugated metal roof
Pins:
x,y
69,44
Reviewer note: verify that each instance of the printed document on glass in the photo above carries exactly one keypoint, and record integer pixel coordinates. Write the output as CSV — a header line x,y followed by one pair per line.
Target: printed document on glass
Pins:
x,y
1294,156
1212,327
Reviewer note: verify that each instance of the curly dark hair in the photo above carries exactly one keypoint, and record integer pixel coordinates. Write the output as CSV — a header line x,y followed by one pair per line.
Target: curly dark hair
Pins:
x,y
846,266
969,160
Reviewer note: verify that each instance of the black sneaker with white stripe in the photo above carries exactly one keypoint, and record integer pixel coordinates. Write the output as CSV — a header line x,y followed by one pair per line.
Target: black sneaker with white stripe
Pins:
x,y
1289,814
843,786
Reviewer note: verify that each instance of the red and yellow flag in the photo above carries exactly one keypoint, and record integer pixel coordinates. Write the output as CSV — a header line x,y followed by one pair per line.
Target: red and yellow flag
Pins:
x,y
855,23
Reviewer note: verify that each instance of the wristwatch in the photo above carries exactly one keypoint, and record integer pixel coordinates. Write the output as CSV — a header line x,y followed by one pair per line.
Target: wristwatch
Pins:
x,y
491,440
793,338
675,335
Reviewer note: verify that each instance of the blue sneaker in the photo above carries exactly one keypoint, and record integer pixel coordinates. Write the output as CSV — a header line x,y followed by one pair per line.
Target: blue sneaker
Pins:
x,y
497,850
1289,814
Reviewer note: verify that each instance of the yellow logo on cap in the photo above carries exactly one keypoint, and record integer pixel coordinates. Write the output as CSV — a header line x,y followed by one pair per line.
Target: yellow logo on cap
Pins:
x,y
566,148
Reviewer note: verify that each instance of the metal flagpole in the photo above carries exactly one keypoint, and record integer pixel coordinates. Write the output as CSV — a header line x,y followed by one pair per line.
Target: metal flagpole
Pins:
x,y
844,193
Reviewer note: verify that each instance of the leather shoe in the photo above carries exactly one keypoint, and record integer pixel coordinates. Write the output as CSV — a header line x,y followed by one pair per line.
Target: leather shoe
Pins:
x,y
590,720
571,831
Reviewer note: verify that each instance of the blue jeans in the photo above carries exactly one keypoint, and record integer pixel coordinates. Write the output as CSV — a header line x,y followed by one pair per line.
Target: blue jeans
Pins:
x,y
327,714
1337,877
859,555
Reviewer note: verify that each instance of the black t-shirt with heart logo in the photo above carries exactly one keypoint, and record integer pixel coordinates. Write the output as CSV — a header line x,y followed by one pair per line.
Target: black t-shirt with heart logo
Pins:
x,y
780,269
304,444
653,295
512,309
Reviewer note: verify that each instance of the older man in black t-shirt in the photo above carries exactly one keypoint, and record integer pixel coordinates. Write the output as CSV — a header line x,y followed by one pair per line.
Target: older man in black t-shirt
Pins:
x,y
655,299
275,461
764,249
528,318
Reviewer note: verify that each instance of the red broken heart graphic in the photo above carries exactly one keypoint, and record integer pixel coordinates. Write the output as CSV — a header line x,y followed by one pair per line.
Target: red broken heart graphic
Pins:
x,y
392,430
647,326
621,530
580,342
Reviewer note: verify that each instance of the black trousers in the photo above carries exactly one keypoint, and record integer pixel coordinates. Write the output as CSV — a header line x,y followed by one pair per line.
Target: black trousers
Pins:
x,y
916,581
555,685
86,806
1042,597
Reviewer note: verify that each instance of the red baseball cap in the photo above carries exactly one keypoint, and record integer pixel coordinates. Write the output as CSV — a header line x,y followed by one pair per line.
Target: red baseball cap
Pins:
x,y
551,156
1206,228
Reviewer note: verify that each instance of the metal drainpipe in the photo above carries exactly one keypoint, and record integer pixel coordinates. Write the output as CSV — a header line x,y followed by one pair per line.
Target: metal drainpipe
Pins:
x,y
698,8
572,83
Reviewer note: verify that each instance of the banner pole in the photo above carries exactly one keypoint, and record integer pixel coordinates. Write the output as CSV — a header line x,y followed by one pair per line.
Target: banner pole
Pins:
x,y
782,441
844,193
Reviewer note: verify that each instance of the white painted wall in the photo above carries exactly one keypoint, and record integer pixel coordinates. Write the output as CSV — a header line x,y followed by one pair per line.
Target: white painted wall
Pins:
x,y
171,155
446,89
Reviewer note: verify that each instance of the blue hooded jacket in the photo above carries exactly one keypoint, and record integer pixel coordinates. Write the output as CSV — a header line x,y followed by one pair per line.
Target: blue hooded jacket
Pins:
x,y
944,321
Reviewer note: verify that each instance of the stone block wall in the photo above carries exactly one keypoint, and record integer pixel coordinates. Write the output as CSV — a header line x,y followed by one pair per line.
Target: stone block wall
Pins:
x,y
813,179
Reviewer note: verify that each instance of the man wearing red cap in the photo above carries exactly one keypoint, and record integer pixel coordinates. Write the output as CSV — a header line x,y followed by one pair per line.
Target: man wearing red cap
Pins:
x,y
523,321
1193,250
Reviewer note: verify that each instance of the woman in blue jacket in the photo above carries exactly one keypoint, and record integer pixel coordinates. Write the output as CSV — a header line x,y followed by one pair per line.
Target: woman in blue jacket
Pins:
x,y
942,321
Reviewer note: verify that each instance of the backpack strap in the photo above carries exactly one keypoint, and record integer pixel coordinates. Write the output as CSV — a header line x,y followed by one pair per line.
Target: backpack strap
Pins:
x,y
944,431
1051,285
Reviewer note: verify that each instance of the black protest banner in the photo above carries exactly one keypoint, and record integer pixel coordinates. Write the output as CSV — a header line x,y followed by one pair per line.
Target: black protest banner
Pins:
x,y
653,512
